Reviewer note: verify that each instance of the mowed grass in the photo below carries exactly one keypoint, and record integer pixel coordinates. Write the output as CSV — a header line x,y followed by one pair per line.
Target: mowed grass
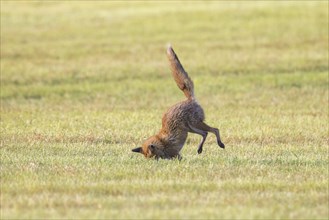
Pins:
x,y
82,83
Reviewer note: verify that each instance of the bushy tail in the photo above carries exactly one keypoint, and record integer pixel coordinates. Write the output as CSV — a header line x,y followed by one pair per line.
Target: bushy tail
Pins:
x,y
181,77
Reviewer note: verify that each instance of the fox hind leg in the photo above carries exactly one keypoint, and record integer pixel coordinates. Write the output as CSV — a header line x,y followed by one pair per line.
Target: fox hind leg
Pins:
x,y
203,126
200,132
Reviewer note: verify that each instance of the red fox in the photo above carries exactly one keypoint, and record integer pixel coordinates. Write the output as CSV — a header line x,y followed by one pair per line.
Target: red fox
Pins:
x,y
186,116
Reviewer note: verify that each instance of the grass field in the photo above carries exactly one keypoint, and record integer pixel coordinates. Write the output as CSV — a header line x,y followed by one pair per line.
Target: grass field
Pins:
x,y
82,83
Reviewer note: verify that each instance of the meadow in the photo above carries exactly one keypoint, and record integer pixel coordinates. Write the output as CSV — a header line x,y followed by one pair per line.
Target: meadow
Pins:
x,y
82,83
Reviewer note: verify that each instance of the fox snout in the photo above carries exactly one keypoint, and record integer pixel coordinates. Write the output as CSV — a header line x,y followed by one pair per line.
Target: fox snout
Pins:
x,y
137,150
148,151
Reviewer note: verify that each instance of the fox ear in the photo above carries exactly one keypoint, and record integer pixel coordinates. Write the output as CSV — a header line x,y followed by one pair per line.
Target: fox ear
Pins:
x,y
137,150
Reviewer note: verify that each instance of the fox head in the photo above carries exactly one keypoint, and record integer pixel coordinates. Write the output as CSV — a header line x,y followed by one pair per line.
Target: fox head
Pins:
x,y
152,147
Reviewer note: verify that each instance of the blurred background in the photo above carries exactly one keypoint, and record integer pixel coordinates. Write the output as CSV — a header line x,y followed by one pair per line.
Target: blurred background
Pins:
x,y
84,82
58,50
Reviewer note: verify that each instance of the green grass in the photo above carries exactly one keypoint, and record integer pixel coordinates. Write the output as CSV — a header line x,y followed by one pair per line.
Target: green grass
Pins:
x,y
82,83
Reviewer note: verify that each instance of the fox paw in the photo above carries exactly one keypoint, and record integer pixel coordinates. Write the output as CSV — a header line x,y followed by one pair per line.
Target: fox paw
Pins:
x,y
221,144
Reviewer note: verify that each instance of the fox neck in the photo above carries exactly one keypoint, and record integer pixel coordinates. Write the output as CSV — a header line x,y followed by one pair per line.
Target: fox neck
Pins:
x,y
173,140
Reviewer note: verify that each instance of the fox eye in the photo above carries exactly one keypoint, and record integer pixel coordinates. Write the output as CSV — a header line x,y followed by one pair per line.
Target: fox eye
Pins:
x,y
152,146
